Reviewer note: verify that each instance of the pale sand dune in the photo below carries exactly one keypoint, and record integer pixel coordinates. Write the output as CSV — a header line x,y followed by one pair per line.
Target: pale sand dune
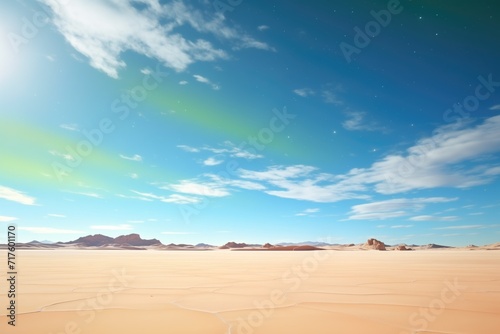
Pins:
x,y
226,292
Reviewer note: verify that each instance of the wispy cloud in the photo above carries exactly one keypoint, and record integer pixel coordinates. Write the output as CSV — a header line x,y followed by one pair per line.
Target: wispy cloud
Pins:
x,y
65,156
356,121
263,27
434,218
121,227
227,148
308,212
495,107
304,183
212,161
460,227
173,198
304,92
70,127
204,80
188,148
433,162
87,194
7,219
101,31
331,97
183,82
440,160
56,215
393,208
135,157
197,188
401,226
48,230
16,196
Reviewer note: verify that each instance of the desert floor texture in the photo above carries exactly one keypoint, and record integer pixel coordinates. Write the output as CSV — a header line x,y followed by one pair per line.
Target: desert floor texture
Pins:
x,y
231,292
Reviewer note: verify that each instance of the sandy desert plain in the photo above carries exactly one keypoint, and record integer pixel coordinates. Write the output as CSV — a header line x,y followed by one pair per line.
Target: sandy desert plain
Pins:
x,y
452,291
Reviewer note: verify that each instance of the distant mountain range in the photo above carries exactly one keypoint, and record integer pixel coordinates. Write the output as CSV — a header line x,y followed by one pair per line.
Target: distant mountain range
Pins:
x,y
123,240
135,242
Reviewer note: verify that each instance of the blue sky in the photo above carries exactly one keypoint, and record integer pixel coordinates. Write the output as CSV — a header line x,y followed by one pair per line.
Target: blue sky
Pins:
x,y
261,121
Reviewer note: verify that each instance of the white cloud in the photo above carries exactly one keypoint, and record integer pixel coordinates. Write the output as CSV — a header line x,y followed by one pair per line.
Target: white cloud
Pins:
x,y
201,79
188,148
7,219
393,208
135,157
121,227
183,82
204,80
441,160
174,198
262,27
70,127
307,212
102,31
16,196
460,227
331,97
212,162
438,161
229,182
356,121
434,218
248,42
48,230
227,148
133,175
56,215
146,71
181,199
303,92
67,157
194,188
304,183
401,226
495,107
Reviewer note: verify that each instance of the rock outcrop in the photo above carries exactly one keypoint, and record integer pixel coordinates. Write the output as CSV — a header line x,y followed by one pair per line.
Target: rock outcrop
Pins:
x,y
375,244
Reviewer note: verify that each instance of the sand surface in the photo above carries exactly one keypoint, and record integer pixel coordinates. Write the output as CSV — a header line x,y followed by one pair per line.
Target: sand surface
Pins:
x,y
227,292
